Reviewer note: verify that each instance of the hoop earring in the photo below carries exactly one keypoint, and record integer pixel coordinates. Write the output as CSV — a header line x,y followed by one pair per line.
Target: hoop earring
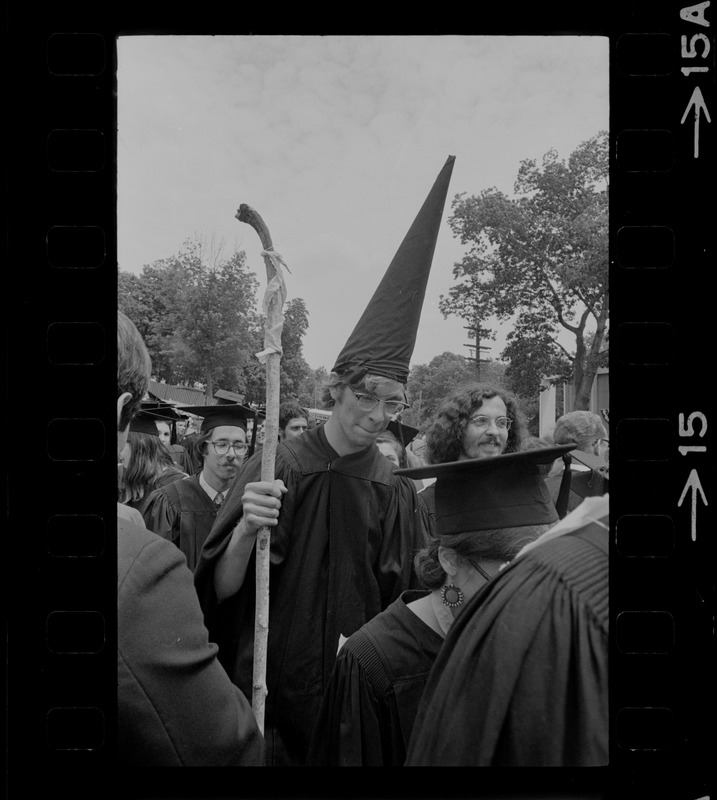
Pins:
x,y
451,596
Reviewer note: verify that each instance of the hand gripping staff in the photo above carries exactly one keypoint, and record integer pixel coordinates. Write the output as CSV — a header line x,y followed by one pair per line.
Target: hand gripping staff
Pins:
x,y
270,356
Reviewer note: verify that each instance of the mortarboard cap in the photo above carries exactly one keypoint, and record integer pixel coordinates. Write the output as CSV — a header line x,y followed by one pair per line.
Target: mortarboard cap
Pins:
x,y
144,422
162,412
217,415
383,340
499,492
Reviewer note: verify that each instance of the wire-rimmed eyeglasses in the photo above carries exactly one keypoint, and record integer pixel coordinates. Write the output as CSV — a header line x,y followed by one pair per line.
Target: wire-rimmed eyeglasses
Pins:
x,y
222,448
481,422
367,402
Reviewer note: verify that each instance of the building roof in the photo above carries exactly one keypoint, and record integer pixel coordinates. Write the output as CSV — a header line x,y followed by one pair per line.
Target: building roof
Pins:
x,y
179,395
222,395
186,396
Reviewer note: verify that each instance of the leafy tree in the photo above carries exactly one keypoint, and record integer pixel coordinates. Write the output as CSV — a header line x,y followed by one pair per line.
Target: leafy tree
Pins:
x,y
142,299
294,369
196,310
541,257
310,390
214,318
530,360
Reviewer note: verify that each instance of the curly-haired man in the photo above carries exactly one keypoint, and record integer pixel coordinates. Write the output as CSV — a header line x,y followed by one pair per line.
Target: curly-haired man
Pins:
x,y
474,421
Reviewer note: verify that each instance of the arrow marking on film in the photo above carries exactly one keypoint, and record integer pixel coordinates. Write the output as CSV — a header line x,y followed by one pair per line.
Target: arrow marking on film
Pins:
x,y
698,101
693,483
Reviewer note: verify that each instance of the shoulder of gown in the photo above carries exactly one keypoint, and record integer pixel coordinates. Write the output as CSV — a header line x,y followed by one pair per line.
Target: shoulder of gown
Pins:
x,y
529,652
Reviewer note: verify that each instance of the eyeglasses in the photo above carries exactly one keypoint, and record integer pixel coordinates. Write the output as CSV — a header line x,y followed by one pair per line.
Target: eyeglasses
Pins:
x,y
367,402
481,422
222,448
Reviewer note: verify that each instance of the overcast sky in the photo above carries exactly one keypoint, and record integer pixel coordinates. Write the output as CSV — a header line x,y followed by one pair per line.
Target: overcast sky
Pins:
x,y
336,141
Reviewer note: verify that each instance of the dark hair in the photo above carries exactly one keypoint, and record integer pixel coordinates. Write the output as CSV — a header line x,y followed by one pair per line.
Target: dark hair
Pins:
x,y
496,544
134,367
291,410
444,437
148,459
199,443
356,376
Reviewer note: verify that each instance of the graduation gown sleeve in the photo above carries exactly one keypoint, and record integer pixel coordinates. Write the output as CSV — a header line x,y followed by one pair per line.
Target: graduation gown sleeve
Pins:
x,y
160,514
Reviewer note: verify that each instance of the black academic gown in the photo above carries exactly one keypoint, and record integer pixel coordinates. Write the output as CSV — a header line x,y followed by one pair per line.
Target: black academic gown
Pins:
x,y
170,475
371,701
183,513
521,679
192,459
342,552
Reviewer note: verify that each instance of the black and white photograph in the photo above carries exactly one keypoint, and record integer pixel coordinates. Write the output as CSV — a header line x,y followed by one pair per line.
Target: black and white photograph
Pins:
x,y
391,309
370,274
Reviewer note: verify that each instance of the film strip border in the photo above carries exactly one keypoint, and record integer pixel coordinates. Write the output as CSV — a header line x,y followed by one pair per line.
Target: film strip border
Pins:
x,y
61,360
662,456
62,323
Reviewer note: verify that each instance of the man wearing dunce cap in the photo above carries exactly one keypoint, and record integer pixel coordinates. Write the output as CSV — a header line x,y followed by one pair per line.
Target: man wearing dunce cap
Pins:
x,y
521,679
185,513
345,528
486,510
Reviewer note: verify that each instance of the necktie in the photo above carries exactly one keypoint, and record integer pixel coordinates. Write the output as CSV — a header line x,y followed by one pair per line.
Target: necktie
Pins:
x,y
218,498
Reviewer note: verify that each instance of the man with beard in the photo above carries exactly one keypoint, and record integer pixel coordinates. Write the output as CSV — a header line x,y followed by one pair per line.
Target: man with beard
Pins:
x,y
474,421
185,514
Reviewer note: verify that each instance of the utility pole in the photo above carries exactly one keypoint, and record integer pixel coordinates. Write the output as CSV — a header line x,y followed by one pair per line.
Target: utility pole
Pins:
x,y
477,331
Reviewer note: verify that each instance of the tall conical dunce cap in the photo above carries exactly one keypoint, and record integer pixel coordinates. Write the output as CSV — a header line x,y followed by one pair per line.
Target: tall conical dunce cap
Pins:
x,y
383,340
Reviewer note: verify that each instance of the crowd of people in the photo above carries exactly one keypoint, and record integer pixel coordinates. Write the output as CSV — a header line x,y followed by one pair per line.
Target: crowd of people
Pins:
x,y
434,598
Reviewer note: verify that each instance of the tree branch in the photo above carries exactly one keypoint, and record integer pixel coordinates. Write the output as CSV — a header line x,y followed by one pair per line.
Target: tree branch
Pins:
x,y
570,357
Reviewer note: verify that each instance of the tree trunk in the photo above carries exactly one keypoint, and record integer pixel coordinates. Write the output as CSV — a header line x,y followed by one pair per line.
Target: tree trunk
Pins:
x,y
587,369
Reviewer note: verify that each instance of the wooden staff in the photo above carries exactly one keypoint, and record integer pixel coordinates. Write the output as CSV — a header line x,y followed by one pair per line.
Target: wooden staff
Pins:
x,y
273,302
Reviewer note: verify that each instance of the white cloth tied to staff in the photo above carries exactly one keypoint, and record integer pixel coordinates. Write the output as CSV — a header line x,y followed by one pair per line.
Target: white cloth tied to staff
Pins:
x,y
274,296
